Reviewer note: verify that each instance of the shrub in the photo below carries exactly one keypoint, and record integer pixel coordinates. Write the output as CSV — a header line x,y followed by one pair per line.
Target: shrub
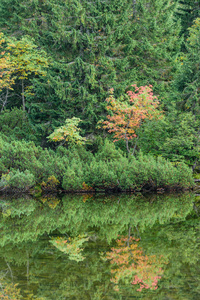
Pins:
x,y
21,180
100,175
74,177
108,152
107,169
4,183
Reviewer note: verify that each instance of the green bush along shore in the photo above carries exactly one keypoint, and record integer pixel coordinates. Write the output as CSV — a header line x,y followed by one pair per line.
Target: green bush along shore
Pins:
x,y
24,165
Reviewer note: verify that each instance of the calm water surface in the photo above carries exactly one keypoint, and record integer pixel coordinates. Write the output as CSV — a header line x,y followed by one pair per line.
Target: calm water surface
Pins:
x,y
102,247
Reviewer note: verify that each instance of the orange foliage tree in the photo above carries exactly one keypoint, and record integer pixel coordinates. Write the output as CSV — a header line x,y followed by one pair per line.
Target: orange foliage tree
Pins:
x,y
129,263
128,113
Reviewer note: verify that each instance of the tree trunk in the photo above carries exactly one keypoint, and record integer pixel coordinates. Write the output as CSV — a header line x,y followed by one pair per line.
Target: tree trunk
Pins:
x,y
129,235
135,146
127,147
23,97
27,269
134,9
126,139
196,160
6,100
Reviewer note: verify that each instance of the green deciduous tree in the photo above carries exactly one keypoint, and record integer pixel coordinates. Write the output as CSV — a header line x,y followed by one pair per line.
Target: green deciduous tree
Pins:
x,y
68,133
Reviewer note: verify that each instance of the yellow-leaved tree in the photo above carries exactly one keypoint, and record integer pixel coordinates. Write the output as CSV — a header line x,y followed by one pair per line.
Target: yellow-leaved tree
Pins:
x,y
6,72
20,60
68,133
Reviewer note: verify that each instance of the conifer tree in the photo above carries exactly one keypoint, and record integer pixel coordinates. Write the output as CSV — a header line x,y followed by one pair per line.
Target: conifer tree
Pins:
x,y
188,77
187,84
188,11
94,46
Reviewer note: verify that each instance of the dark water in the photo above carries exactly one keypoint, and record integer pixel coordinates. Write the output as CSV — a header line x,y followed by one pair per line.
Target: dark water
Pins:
x,y
84,247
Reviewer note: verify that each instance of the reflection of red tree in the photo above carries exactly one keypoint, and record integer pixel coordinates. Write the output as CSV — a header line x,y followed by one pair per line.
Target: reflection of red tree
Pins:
x,y
130,263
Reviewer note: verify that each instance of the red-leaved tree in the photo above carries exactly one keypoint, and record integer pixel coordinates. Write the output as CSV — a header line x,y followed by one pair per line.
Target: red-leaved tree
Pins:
x,y
128,113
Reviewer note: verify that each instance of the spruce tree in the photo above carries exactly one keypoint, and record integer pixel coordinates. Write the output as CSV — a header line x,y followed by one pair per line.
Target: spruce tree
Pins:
x,y
92,47
188,77
188,11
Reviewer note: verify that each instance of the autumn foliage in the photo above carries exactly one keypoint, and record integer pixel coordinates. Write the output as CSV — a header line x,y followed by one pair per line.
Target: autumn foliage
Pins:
x,y
20,60
130,263
51,185
128,113
9,291
6,66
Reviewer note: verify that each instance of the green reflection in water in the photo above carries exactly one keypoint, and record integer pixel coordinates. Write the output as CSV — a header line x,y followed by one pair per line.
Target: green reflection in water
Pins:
x,y
166,226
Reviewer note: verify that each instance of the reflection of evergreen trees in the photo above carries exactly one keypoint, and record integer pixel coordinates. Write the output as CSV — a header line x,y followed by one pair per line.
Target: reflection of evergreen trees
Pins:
x,y
180,242
108,215
166,224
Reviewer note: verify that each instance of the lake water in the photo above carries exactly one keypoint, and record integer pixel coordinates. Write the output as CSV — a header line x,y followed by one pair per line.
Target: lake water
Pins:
x,y
100,247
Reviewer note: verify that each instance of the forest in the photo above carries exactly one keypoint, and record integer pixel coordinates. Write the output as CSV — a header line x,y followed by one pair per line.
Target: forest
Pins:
x,y
99,96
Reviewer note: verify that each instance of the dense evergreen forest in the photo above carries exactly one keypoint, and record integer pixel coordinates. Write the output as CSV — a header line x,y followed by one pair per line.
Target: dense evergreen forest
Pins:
x,y
99,95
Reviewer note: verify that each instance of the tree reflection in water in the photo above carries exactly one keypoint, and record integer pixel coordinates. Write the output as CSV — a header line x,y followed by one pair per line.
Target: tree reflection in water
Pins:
x,y
163,241
129,263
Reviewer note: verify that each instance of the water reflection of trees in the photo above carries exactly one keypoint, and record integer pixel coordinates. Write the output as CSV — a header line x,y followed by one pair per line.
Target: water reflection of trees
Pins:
x,y
131,264
167,226
26,219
